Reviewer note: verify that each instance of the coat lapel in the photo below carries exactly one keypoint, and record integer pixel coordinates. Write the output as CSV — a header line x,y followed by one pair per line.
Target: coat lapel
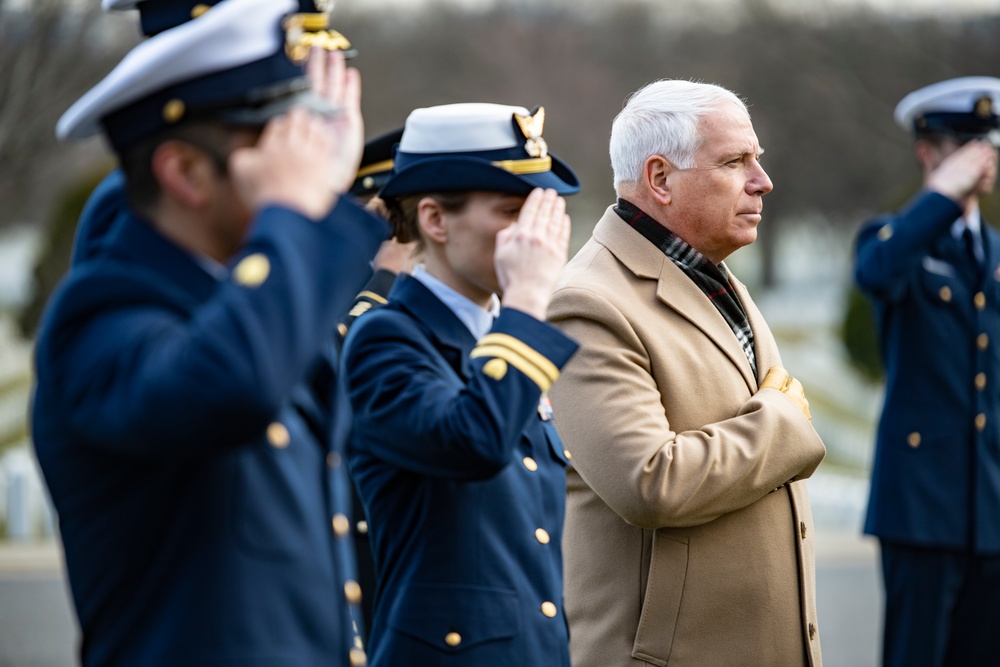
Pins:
x,y
450,336
675,289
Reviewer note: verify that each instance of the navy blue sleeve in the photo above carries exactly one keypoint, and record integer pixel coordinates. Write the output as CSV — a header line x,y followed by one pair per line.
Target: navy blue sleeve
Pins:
x,y
891,246
412,411
154,382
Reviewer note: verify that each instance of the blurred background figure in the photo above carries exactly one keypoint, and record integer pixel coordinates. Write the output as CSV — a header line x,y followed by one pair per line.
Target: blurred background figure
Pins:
x,y
196,470
932,270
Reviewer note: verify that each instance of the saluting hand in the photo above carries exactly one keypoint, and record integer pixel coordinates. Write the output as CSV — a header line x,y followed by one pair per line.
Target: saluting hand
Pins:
x,y
969,170
531,252
331,79
302,160
285,167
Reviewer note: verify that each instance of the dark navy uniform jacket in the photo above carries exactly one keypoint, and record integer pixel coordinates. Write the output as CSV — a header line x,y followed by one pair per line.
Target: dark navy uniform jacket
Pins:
x,y
936,473
198,480
463,480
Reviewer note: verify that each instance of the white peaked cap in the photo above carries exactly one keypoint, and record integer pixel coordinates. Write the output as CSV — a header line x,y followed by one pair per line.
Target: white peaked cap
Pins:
x,y
234,33
458,128
951,96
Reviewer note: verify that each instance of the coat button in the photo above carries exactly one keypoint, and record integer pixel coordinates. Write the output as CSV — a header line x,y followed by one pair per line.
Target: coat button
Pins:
x,y
983,341
252,270
913,440
802,529
567,454
542,536
945,293
352,591
362,527
278,436
980,381
812,631
549,609
885,233
358,658
979,300
341,525
980,421
453,639
530,463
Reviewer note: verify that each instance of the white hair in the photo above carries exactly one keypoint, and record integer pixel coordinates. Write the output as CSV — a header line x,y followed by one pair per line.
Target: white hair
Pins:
x,y
661,118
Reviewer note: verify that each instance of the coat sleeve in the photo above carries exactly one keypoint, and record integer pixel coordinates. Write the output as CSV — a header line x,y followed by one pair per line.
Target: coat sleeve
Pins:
x,y
610,413
413,412
154,381
888,248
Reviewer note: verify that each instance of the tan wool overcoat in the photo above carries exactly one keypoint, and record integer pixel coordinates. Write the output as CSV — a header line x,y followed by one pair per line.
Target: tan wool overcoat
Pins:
x,y
688,542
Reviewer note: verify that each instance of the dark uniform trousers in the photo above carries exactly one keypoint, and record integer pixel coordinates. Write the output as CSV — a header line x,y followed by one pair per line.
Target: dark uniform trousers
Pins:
x,y
935,491
203,509
462,475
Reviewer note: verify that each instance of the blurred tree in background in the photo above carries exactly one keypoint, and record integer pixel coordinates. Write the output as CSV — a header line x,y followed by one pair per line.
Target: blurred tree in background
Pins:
x,y
821,85
51,52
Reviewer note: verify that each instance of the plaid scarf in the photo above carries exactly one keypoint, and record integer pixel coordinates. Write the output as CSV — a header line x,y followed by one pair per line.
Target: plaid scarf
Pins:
x,y
711,279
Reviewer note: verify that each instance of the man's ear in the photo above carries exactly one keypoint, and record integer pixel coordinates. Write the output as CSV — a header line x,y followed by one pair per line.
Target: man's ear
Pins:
x,y
656,174
431,219
185,173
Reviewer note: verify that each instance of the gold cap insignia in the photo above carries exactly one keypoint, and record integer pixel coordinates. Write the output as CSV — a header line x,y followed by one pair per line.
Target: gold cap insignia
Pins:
x,y
304,31
531,127
984,107
173,111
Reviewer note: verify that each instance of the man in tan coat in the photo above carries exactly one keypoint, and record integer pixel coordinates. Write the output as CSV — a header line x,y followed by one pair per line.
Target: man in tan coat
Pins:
x,y
689,538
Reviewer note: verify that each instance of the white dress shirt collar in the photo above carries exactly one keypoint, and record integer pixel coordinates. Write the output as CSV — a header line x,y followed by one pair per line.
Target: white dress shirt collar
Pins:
x,y
477,319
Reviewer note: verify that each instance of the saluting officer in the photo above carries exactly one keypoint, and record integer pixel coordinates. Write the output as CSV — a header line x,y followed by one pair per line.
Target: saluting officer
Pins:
x,y
204,516
460,469
932,271
313,25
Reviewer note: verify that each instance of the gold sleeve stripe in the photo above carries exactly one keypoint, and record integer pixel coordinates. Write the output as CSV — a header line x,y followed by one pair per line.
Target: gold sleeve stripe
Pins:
x,y
377,298
515,360
524,350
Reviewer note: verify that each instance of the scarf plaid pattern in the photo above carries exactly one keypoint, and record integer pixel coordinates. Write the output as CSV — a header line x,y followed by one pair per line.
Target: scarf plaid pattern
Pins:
x,y
711,279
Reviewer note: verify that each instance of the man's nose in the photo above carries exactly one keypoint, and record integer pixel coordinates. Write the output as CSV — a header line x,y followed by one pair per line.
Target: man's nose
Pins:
x,y
759,182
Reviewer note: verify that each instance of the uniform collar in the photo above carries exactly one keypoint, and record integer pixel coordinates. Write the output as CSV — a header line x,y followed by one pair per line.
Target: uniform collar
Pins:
x,y
973,222
477,320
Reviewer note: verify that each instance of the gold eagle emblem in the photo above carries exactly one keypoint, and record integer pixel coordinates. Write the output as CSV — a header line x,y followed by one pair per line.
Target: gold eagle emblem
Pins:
x,y
531,127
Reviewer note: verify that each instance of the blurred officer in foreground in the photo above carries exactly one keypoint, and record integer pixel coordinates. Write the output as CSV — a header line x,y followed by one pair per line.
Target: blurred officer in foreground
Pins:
x,y
203,515
932,272
108,200
455,457
689,537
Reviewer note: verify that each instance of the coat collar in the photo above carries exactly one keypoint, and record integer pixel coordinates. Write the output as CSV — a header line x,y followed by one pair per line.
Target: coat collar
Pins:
x,y
449,334
681,294
138,243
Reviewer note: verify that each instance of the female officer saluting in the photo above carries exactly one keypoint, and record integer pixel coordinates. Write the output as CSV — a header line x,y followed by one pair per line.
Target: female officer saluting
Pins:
x,y
454,453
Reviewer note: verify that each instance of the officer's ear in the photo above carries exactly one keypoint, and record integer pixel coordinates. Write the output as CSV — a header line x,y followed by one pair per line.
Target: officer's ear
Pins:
x,y
656,176
185,173
432,220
